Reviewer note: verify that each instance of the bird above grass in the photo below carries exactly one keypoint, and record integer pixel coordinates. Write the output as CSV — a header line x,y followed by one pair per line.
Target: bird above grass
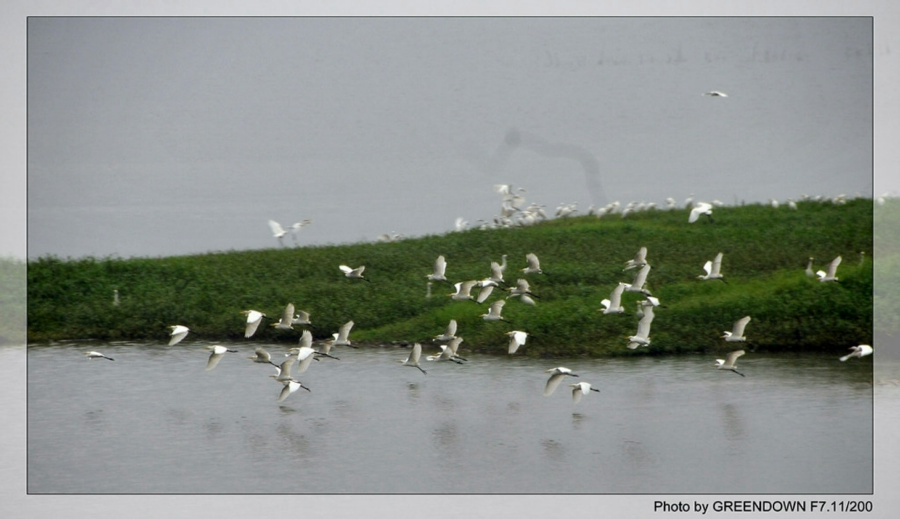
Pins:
x,y
713,269
831,274
737,331
353,273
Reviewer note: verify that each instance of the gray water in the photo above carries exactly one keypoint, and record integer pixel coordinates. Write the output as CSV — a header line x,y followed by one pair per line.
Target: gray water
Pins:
x,y
154,421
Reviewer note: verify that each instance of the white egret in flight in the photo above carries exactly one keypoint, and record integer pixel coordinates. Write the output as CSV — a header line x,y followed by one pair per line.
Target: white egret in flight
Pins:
x,y
640,259
613,305
713,269
858,351
556,377
534,265
352,273
254,317
580,389
699,209
96,355
516,339
179,332
413,359
737,332
831,274
216,355
728,362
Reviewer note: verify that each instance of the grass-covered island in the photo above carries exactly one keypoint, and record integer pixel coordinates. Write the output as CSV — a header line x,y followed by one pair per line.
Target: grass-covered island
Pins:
x,y
765,256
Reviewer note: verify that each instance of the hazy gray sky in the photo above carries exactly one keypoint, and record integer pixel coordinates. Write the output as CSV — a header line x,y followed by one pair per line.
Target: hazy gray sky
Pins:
x,y
161,136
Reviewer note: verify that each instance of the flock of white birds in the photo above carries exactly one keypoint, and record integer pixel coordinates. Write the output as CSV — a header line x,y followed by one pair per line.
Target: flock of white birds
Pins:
x,y
513,212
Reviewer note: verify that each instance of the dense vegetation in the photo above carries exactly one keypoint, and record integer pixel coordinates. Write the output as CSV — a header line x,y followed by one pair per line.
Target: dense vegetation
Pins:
x,y
765,254
12,301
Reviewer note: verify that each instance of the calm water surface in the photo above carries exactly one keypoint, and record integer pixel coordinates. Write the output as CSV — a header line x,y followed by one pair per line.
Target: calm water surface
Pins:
x,y
153,421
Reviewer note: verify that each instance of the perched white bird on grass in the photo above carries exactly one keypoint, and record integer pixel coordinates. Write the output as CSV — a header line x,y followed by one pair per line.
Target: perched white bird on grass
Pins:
x,y
440,269
831,274
96,355
413,359
580,389
216,355
516,339
352,273
737,331
556,377
494,311
178,332
254,317
534,265
858,351
640,259
700,209
728,362
613,305
713,269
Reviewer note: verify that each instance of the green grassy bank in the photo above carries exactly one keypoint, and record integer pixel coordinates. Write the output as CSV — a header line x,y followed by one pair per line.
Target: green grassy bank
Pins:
x,y
765,253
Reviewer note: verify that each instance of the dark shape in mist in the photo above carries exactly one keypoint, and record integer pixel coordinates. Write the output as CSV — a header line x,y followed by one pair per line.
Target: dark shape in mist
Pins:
x,y
516,138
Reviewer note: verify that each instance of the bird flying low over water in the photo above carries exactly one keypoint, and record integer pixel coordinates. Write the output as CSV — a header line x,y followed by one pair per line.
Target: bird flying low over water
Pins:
x,y
413,359
715,93
831,274
857,351
216,355
516,339
302,318
96,355
352,273
729,361
262,357
556,377
253,319
580,389
179,332
342,337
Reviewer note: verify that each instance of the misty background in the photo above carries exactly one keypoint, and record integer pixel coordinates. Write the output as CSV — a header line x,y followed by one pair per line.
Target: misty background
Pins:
x,y
169,136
